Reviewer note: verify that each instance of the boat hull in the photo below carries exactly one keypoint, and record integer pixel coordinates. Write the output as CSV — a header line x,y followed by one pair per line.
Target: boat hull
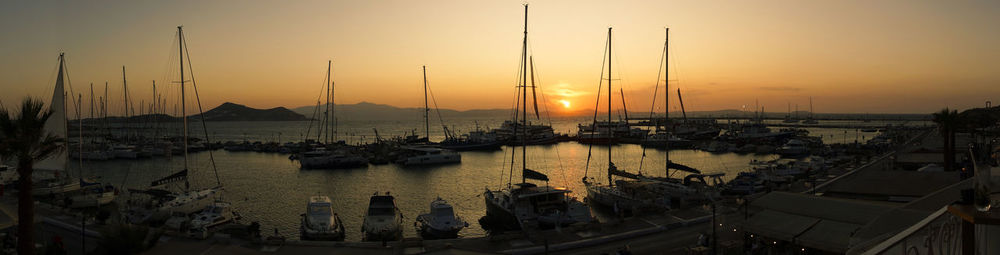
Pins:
x,y
497,218
92,199
621,202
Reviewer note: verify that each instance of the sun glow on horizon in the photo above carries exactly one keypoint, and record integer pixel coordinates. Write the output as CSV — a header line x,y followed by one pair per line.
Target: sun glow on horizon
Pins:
x,y
565,103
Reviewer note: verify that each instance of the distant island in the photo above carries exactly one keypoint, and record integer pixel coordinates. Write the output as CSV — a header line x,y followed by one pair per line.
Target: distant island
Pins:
x,y
236,112
225,112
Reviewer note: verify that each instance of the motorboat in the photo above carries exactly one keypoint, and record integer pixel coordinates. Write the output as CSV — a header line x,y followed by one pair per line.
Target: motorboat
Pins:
x,y
415,156
794,147
321,222
383,221
441,222
213,215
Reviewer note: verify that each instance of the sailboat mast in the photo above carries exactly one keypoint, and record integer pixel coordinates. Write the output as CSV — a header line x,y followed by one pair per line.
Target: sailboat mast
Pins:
x,y
329,115
810,107
427,111
125,99
79,118
524,98
610,133
180,50
684,115
333,104
91,108
666,99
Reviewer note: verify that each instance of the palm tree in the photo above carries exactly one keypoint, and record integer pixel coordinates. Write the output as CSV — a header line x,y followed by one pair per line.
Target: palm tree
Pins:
x,y
24,137
948,121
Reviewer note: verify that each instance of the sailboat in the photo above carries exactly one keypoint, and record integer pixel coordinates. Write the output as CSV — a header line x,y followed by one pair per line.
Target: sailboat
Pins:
x,y
624,195
789,118
56,165
524,132
163,202
330,155
636,193
810,119
93,194
526,205
424,154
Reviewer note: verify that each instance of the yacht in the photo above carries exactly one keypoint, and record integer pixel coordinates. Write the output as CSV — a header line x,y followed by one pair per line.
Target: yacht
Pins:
x,y
478,140
441,222
383,221
604,132
320,222
415,156
323,159
537,134
663,140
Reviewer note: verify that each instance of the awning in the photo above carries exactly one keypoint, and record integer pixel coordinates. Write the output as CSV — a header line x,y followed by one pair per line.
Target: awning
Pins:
x,y
779,225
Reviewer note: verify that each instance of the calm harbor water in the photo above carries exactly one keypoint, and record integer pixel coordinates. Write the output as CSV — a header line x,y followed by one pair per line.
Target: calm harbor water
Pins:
x,y
271,189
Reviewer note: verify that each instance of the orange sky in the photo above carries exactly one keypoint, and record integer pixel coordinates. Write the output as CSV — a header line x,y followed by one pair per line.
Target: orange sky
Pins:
x,y
850,56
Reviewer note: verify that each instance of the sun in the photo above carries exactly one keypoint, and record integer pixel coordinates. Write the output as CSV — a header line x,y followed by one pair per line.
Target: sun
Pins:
x,y
564,103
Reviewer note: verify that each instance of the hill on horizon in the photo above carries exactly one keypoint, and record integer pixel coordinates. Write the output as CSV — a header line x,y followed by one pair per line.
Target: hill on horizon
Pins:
x,y
373,111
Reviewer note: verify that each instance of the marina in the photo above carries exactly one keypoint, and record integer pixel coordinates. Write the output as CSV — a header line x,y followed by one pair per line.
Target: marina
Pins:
x,y
556,165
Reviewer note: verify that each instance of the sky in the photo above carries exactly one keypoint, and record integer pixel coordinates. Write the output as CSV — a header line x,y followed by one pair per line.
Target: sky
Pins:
x,y
905,56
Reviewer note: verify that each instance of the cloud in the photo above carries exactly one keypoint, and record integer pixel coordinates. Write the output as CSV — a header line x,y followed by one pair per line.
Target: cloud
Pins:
x,y
786,89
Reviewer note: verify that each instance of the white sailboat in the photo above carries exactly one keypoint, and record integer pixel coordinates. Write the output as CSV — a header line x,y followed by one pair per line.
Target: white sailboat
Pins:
x,y
632,194
330,154
525,205
92,194
164,203
56,165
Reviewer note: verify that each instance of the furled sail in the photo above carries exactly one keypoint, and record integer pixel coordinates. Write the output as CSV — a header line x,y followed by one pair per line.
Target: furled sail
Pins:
x,y
534,175
179,176
684,168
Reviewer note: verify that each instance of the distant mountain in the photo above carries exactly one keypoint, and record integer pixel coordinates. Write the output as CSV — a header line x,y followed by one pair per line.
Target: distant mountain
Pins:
x,y
370,111
235,112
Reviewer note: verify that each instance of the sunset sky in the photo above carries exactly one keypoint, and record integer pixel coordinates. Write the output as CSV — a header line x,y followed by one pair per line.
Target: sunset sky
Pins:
x,y
850,56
